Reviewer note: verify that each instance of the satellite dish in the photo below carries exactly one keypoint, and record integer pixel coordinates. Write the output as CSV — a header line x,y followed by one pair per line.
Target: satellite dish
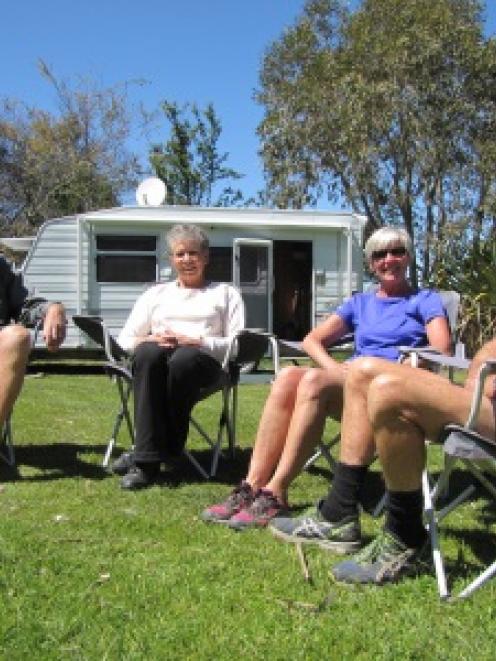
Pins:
x,y
151,192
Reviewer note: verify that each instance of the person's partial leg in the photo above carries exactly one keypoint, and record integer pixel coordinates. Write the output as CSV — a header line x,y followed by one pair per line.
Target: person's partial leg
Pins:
x,y
357,447
268,446
274,428
15,346
404,413
404,409
150,392
335,523
318,395
189,372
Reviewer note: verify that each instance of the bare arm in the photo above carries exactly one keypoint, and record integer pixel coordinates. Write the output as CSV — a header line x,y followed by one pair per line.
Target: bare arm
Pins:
x,y
54,326
326,333
438,334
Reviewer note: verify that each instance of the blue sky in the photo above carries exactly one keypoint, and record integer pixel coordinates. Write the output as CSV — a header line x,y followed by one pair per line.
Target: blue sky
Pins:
x,y
188,50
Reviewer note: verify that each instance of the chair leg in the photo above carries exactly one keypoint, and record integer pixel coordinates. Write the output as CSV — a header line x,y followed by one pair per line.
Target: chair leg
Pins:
x,y
196,464
479,475
226,424
433,532
490,571
441,488
226,430
479,581
232,417
324,450
216,448
123,414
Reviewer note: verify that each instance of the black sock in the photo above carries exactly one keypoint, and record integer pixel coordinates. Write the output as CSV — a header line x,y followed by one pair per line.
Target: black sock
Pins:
x,y
404,517
343,497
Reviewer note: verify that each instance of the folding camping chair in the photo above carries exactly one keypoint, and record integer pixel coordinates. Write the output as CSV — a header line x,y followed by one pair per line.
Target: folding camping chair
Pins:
x,y
477,453
245,348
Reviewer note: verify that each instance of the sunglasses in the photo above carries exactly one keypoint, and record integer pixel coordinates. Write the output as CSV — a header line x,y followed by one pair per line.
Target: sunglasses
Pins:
x,y
395,252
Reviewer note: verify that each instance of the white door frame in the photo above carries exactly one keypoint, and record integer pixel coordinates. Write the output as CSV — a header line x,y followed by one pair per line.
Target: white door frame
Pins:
x,y
267,243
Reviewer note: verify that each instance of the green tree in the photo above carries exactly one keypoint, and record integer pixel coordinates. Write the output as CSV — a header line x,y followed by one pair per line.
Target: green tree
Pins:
x,y
74,160
388,107
190,163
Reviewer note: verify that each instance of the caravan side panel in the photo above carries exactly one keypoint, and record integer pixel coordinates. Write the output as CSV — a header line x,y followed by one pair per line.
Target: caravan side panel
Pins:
x,y
330,272
51,267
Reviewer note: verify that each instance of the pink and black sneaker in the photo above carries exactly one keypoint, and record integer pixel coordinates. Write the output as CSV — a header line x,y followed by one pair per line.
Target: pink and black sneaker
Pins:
x,y
242,496
264,507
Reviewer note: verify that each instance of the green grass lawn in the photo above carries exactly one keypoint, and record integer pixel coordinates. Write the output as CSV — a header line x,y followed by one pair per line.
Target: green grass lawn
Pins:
x,y
90,572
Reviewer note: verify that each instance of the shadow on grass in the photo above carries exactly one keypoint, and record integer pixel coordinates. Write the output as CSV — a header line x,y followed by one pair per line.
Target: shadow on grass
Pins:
x,y
67,460
230,470
56,460
481,544
479,541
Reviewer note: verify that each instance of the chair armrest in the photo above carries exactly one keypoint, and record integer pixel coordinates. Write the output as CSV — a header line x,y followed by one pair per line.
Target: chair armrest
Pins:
x,y
294,347
247,346
96,329
296,350
436,358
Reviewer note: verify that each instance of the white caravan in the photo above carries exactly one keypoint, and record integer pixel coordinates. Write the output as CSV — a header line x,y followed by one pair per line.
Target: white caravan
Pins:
x,y
292,267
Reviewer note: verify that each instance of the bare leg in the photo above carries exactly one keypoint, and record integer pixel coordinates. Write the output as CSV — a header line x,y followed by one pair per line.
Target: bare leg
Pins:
x,y
15,345
405,411
273,427
319,394
357,439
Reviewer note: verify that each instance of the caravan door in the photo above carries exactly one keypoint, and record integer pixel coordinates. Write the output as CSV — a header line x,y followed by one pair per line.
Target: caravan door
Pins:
x,y
252,273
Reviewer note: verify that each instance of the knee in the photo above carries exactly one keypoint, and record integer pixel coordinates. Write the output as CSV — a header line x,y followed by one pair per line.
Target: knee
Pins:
x,y
185,363
285,385
15,341
147,353
385,398
313,384
361,372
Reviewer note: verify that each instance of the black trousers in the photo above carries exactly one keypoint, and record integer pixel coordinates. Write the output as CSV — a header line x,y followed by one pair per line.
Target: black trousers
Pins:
x,y
166,385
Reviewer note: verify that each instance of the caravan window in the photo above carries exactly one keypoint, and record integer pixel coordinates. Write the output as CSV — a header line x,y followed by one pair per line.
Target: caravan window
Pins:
x,y
219,267
126,258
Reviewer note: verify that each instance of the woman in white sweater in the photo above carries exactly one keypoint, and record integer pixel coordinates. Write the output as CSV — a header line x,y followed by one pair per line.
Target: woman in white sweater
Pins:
x,y
178,333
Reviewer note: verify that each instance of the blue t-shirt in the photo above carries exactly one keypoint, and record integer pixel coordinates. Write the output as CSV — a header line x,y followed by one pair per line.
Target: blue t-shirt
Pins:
x,y
381,324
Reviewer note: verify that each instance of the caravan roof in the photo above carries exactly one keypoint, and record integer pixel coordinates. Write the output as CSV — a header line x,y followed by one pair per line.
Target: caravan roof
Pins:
x,y
227,216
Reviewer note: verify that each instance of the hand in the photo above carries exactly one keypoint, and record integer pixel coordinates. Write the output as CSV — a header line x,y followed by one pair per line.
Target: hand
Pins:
x,y
54,326
172,340
169,340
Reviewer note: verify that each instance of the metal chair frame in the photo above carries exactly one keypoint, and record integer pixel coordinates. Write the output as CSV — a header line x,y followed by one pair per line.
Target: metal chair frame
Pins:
x,y
461,444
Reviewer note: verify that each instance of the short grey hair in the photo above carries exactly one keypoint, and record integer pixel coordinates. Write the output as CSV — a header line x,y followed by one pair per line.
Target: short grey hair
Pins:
x,y
191,233
387,237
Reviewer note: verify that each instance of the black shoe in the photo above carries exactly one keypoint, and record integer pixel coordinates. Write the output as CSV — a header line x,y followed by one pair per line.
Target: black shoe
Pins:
x,y
123,463
139,478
